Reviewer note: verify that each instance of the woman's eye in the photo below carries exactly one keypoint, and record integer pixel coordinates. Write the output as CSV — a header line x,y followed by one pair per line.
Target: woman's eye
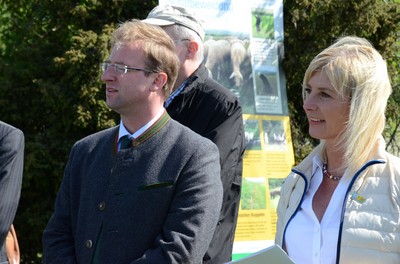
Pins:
x,y
325,94
307,90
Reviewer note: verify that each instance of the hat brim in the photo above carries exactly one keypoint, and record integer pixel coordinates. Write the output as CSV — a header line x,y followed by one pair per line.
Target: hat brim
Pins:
x,y
158,22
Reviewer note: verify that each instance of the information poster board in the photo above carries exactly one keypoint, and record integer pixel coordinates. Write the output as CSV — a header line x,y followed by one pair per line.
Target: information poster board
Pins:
x,y
243,49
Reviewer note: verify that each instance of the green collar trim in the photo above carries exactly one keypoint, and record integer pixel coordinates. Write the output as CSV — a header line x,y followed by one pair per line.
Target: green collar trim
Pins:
x,y
157,126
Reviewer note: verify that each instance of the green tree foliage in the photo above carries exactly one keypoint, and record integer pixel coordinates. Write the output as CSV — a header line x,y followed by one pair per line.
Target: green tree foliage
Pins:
x,y
312,25
49,71
50,52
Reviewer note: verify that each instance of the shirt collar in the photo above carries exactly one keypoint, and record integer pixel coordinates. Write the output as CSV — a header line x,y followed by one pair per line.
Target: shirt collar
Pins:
x,y
317,163
123,131
178,91
175,93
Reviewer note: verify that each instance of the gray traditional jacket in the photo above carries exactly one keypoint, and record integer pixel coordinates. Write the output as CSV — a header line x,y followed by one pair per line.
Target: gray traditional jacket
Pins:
x,y
157,202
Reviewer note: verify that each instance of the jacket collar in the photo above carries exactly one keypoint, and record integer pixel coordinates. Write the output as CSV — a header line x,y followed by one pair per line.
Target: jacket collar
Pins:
x,y
305,168
198,76
157,126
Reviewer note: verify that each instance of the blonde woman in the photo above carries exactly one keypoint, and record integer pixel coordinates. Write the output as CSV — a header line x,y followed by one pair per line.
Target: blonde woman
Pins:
x,y
341,203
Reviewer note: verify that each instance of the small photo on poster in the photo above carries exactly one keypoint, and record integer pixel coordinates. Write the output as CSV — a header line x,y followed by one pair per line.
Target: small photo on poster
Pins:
x,y
253,195
262,23
267,93
252,134
275,185
266,84
274,135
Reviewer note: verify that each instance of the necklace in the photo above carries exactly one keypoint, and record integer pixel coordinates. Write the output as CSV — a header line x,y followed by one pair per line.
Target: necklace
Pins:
x,y
327,174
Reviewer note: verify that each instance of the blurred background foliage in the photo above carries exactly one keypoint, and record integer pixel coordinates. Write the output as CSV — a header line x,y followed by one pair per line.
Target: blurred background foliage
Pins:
x,y
312,25
50,51
50,88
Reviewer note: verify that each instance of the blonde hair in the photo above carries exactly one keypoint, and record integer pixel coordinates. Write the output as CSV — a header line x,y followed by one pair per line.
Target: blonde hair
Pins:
x,y
159,49
359,74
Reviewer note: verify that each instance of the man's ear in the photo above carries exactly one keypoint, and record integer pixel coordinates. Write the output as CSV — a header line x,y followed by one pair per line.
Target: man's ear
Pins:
x,y
159,81
192,49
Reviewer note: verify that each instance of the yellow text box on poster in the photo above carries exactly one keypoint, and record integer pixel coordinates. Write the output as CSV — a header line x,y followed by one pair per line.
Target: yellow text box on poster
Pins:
x,y
267,161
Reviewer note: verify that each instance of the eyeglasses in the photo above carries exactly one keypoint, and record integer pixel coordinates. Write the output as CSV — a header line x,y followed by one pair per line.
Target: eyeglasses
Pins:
x,y
122,69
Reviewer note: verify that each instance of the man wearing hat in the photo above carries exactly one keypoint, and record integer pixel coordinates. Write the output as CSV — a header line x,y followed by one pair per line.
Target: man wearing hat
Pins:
x,y
209,109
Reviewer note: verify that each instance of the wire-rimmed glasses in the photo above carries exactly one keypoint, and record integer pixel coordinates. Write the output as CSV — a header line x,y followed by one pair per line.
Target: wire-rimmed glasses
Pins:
x,y
122,69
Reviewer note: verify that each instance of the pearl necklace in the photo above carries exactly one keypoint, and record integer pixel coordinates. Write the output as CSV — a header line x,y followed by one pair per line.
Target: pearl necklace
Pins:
x,y
327,174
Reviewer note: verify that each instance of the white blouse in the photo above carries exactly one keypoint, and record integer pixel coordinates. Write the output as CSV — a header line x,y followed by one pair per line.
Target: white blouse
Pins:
x,y
306,239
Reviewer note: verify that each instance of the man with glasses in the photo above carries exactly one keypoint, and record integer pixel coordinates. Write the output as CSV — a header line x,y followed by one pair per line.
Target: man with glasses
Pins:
x,y
209,109
148,190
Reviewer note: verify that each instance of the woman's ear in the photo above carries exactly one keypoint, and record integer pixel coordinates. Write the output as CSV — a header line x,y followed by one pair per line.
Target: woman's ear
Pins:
x,y
159,81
